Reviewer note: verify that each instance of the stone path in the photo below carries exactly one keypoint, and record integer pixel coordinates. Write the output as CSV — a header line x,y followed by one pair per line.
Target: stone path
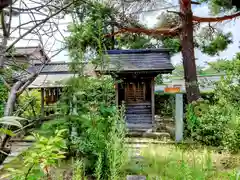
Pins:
x,y
133,177
134,144
17,149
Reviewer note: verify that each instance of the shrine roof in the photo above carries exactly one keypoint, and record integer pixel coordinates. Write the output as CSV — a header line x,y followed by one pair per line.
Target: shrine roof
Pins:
x,y
134,60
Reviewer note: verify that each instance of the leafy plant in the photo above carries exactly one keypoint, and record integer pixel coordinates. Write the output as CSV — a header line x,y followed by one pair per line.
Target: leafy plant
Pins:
x,y
41,158
48,129
164,104
217,124
231,139
96,128
3,97
12,121
78,171
29,104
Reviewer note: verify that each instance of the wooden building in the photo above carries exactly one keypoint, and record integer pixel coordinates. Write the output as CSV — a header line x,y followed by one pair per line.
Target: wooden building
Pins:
x,y
51,81
28,55
136,70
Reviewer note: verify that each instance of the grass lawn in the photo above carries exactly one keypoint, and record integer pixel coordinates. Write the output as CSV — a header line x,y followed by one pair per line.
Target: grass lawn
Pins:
x,y
168,162
186,162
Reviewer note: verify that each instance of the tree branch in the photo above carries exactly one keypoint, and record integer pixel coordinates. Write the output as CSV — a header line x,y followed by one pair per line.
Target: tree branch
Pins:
x,y
27,81
175,12
2,52
4,28
29,9
38,24
159,32
5,83
31,78
215,19
195,2
10,20
23,24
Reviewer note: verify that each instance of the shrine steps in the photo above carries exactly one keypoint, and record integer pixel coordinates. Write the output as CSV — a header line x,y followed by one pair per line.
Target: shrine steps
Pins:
x,y
146,131
139,115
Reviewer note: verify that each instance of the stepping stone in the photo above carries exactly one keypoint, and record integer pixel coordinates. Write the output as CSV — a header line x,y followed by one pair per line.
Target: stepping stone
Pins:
x,y
161,135
136,177
17,149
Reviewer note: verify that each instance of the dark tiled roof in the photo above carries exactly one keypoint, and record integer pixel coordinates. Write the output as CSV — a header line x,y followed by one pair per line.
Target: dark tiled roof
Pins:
x,y
54,67
50,80
51,68
54,73
137,51
139,60
30,53
24,51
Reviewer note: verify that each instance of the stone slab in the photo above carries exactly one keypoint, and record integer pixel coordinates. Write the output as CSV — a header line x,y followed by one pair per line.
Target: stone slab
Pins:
x,y
136,177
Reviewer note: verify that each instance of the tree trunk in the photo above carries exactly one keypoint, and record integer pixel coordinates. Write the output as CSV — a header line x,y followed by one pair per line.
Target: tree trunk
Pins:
x,y
12,99
15,91
189,65
9,109
2,53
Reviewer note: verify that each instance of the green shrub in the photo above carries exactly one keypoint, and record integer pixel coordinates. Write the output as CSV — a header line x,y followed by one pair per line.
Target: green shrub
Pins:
x,y
96,128
211,127
231,139
3,98
39,160
217,124
164,105
48,128
28,103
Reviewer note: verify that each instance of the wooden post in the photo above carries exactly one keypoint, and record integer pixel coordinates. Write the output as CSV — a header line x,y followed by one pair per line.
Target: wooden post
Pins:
x,y
116,92
153,100
42,102
125,91
179,117
144,91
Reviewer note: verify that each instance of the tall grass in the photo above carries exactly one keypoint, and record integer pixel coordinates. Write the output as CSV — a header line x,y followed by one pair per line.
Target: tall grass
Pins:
x,y
172,162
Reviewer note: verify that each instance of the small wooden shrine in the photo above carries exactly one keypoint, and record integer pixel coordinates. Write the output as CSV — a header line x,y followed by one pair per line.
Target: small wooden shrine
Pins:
x,y
136,70
51,82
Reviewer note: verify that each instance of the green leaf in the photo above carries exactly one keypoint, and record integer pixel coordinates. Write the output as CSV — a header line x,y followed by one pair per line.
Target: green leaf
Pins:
x,y
7,131
12,121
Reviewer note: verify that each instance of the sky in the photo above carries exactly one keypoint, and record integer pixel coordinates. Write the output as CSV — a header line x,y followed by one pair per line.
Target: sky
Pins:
x,y
201,58
53,43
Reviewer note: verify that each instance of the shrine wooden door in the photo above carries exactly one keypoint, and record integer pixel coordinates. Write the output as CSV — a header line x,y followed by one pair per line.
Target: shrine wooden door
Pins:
x,y
135,92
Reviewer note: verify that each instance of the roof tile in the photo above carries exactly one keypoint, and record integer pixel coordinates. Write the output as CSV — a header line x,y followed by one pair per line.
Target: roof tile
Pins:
x,y
138,60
